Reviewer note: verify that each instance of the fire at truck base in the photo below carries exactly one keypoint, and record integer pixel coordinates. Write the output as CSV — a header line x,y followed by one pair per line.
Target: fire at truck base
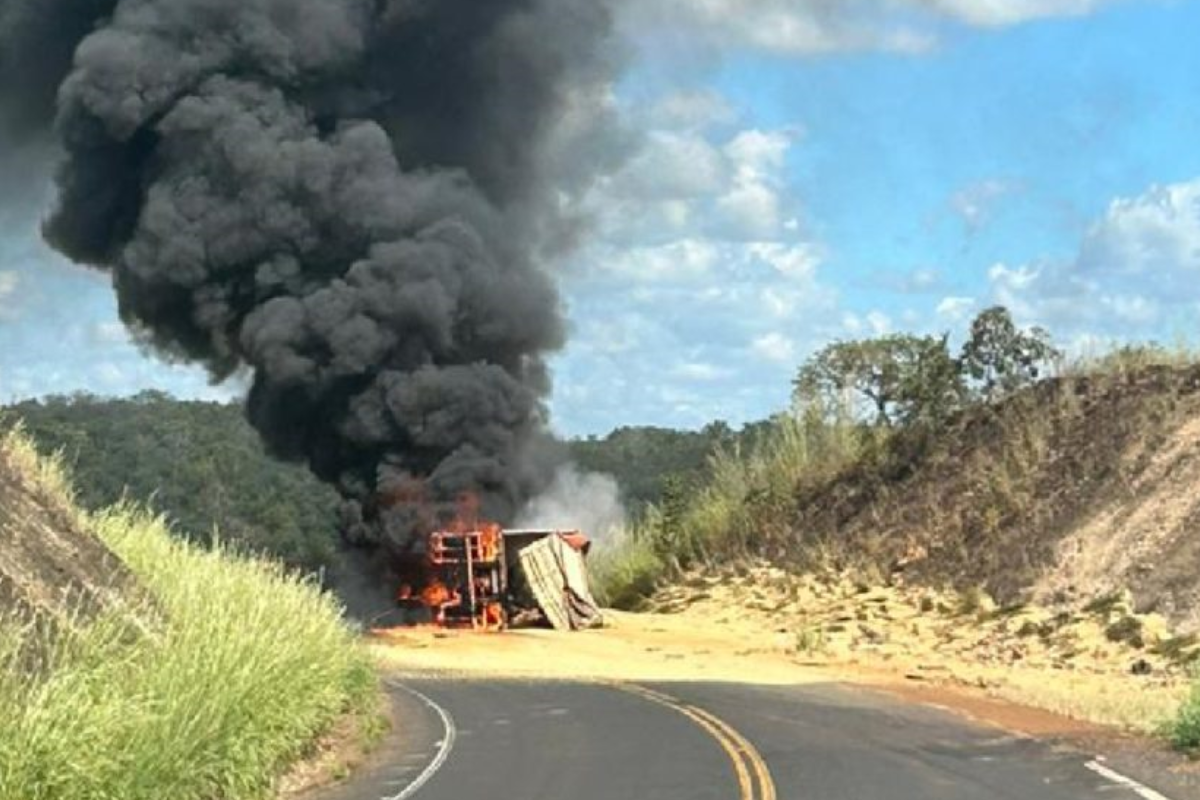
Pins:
x,y
488,579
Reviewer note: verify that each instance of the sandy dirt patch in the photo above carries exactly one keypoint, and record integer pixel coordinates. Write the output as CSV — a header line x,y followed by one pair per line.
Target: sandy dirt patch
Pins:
x,y
767,627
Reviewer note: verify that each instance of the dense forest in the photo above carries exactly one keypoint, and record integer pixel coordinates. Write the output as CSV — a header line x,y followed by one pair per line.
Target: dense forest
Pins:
x,y
645,460
202,466
198,463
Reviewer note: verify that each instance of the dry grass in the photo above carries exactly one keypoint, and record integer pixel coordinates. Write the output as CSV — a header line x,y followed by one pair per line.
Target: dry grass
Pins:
x,y
1064,662
1116,703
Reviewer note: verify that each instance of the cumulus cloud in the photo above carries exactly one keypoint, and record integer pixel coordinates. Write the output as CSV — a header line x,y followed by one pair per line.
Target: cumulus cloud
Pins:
x,y
691,110
685,259
1136,271
782,26
955,309
752,206
9,281
816,27
873,323
701,371
700,284
1156,233
1002,13
798,261
684,182
775,347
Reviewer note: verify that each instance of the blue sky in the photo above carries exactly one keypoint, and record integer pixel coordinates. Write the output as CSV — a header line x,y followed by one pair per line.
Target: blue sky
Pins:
x,y
806,171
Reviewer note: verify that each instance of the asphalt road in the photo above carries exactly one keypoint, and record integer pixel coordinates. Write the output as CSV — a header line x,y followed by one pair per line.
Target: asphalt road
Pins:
x,y
572,741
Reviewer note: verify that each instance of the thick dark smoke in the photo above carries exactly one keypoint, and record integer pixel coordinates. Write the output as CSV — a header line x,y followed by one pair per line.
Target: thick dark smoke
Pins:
x,y
351,200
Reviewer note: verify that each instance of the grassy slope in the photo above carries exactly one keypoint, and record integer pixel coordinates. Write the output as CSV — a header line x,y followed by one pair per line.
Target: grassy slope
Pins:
x,y
209,688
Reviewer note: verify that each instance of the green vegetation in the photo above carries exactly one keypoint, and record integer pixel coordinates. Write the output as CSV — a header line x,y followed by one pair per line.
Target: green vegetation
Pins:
x,y
1184,730
745,501
209,685
645,459
810,485
204,468
200,464
902,378
867,405
1000,357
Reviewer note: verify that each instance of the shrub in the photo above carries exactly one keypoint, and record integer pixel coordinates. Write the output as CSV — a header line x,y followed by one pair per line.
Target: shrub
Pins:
x,y
1184,729
626,573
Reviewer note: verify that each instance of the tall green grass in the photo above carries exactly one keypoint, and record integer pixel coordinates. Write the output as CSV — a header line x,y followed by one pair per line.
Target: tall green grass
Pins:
x,y
208,687
1183,730
741,508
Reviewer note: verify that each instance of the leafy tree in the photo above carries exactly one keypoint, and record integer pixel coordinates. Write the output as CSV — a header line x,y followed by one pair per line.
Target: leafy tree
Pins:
x,y
1000,357
901,377
867,367
933,386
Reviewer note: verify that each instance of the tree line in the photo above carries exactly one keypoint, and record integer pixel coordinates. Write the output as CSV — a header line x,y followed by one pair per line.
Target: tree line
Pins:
x,y
202,465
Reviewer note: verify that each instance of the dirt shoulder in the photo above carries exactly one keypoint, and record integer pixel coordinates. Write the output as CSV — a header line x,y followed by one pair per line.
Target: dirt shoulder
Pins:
x,y
1030,670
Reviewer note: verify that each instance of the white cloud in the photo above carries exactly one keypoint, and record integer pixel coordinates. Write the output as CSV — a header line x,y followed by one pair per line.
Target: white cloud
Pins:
x,y
955,309
110,376
1002,13
758,154
9,281
1136,273
874,323
1157,232
691,110
795,261
673,165
879,323
685,182
699,286
701,371
752,204
814,27
780,26
685,259
775,347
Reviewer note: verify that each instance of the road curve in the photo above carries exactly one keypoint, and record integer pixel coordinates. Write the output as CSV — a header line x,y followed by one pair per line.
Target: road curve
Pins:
x,y
578,741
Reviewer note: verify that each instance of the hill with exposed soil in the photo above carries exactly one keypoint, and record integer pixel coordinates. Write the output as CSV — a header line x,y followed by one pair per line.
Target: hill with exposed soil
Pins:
x,y
1071,490
50,565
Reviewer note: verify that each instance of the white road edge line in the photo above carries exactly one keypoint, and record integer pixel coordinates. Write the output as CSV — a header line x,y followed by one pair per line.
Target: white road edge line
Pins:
x,y
444,746
1121,780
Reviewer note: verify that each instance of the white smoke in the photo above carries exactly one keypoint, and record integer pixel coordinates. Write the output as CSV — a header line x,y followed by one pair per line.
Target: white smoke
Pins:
x,y
587,501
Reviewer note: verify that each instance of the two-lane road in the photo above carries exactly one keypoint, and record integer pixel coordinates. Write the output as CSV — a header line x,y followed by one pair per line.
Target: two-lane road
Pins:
x,y
578,741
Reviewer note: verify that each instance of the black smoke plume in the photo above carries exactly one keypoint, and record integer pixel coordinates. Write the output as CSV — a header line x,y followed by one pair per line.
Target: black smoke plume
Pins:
x,y
351,201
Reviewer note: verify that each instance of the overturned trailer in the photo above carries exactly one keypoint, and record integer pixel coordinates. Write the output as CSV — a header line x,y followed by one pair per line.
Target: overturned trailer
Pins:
x,y
550,571
488,578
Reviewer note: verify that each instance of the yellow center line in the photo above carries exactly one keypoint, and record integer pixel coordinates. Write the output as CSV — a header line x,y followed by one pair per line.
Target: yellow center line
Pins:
x,y
757,763
745,758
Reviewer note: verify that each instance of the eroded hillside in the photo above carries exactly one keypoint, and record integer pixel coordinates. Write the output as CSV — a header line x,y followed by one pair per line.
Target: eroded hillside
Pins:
x,y
49,564
1070,490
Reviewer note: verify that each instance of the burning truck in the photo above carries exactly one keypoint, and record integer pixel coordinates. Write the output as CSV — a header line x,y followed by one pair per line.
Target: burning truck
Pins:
x,y
485,578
